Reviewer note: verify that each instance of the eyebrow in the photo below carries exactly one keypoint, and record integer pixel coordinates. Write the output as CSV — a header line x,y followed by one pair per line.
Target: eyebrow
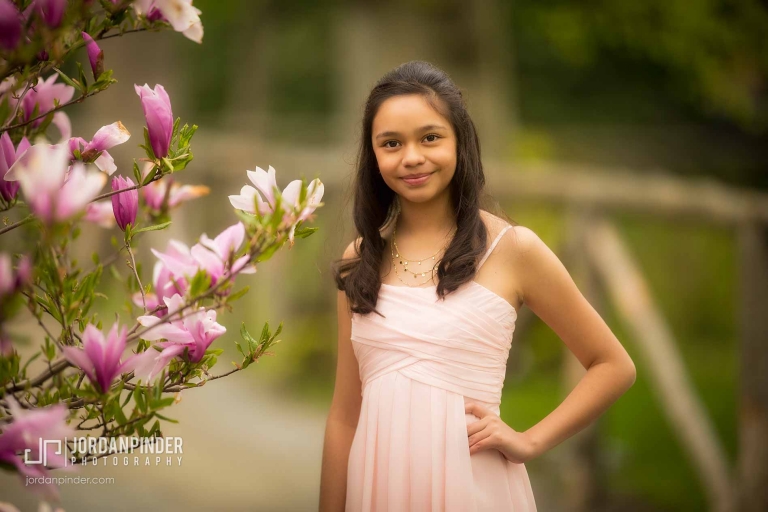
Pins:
x,y
422,129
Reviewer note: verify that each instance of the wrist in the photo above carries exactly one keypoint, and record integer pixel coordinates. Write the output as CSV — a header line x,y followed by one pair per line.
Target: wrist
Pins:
x,y
535,447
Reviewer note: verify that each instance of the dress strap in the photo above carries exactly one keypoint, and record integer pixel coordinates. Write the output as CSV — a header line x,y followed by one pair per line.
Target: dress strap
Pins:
x,y
493,246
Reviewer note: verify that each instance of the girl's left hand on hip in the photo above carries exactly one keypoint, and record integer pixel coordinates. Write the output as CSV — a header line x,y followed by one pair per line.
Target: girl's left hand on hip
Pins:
x,y
491,432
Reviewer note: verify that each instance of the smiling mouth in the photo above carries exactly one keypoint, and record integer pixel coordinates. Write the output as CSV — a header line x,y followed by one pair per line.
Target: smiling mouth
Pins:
x,y
416,179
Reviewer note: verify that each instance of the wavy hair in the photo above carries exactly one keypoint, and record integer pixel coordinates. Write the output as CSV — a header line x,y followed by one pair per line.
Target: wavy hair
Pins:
x,y
376,205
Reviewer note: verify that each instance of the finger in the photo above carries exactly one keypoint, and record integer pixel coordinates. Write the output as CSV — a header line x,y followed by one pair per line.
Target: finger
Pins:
x,y
476,409
479,436
476,426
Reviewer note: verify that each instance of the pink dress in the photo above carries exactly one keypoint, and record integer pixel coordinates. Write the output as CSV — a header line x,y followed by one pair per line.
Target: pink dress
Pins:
x,y
418,367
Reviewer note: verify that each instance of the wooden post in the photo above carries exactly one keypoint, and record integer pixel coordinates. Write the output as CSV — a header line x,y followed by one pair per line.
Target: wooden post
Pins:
x,y
664,363
752,482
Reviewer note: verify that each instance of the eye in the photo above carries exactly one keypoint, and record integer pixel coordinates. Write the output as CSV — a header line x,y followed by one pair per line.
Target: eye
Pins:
x,y
387,144
433,138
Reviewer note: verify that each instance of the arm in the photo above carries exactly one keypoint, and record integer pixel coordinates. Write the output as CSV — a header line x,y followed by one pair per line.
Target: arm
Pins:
x,y
548,290
344,413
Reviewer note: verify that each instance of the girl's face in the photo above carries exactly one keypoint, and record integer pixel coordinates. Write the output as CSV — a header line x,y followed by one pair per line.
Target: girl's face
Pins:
x,y
415,147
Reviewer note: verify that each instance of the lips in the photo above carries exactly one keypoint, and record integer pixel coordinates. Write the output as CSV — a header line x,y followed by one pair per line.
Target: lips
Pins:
x,y
417,179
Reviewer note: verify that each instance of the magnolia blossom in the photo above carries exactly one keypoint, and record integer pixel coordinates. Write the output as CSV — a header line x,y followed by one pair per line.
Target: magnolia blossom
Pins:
x,y
23,435
8,156
155,193
182,16
11,281
105,138
100,212
95,55
10,25
293,216
51,11
125,204
159,117
250,198
6,347
165,286
100,357
43,95
211,256
53,194
195,331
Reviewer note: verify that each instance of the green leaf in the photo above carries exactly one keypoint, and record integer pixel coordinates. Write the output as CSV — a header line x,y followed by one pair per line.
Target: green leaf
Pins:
x,y
137,172
138,396
161,403
238,294
156,227
166,418
200,283
81,75
155,428
148,145
68,80
304,232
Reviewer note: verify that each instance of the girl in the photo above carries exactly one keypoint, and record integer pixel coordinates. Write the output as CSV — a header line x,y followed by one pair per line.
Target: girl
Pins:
x,y
426,311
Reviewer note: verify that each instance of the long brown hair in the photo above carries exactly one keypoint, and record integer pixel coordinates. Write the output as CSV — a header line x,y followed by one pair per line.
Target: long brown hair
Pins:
x,y
375,203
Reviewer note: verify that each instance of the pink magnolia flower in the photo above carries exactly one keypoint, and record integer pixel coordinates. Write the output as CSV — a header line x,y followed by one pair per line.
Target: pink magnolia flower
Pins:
x,y
182,16
125,204
105,138
10,25
293,216
196,331
266,183
211,256
250,199
95,55
11,281
21,438
100,212
165,286
159,117
155,193
43,94
51,11
100,357
8,156
53,193
6,346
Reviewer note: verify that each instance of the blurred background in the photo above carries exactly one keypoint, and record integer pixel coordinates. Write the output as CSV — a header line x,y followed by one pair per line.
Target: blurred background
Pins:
x,y
629,135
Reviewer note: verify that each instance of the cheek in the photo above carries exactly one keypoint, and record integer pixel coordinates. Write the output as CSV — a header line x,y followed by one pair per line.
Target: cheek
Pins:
x,y
387,162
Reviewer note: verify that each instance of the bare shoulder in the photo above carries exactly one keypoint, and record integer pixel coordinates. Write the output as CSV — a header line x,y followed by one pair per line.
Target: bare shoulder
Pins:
x,y
493,224
520,242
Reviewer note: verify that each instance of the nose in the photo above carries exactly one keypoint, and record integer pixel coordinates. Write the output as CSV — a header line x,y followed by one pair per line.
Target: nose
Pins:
x,y
412,156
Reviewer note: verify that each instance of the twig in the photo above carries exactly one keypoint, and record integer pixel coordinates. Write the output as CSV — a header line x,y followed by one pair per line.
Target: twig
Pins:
x,y
55,368
16,224
136,274
54,109
18,102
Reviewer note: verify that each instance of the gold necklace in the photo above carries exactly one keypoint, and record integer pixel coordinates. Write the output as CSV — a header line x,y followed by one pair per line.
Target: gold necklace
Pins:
x,y
404,261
